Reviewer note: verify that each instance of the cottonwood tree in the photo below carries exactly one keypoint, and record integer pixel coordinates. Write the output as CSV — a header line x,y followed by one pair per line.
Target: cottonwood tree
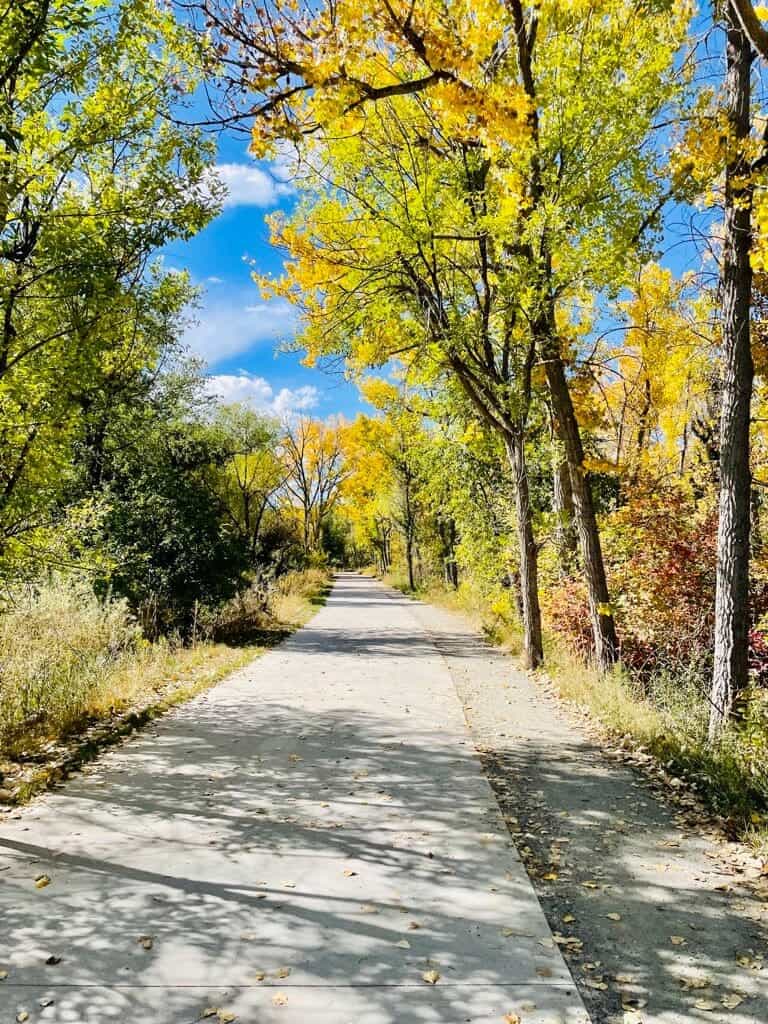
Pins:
x,y
557,100
730,147
313,456
253,473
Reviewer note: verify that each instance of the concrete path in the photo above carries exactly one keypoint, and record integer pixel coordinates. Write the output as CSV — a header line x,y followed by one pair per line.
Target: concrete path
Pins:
x,y
663,920
312,841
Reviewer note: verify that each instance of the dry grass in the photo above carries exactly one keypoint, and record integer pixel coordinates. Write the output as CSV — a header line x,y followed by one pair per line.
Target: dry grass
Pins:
x,y
298,595
72,666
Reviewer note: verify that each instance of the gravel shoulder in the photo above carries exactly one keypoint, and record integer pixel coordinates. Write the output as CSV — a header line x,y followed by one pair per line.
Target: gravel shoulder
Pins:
x,y
662,921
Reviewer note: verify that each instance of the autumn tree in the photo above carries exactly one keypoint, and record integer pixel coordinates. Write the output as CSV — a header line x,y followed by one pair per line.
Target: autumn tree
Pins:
x,y
530,95
253,473
313,457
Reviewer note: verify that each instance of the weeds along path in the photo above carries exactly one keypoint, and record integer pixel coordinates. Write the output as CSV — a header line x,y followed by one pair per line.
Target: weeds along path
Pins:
x,y
655,913
312,840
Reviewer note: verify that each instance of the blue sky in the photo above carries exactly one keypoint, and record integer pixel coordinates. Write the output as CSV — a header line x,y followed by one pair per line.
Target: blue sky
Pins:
x,y
238,333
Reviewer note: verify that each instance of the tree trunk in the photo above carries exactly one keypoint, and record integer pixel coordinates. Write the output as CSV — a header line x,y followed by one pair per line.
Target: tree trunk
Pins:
x,y
533,648
731,665
409,560
566,540
567,429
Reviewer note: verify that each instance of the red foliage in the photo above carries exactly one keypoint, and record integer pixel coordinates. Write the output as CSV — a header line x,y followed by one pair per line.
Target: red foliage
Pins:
x,y
660,554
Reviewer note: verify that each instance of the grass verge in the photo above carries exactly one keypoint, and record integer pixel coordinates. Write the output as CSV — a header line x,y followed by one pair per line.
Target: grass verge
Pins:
x,y
77,676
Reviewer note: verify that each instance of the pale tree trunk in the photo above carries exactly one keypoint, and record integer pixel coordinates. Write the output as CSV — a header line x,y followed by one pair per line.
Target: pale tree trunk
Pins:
x,y
567,430
533,648
731,663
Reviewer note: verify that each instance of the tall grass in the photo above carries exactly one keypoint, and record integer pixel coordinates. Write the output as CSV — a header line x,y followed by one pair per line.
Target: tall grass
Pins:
x,y
68,659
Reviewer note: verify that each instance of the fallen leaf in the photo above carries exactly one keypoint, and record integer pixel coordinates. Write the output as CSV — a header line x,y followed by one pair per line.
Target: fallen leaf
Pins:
x,y
590,885
52,960
677,940
3,975
279,999
613,917
431,977
259,976
21,1016
602,986
282,972
631,1003
705,1004
145,941
695,983
544,972
413,925
404,944
291,885
349,873
731,1000
625,979
511,1018
41,881
551,876
569,919
43,1003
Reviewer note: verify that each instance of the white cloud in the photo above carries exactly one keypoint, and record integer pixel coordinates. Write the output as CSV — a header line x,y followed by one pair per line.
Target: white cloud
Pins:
x,y
249,185
259,394
232,324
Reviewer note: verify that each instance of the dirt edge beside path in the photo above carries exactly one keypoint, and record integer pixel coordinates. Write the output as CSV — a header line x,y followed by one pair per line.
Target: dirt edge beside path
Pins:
x,y
660,917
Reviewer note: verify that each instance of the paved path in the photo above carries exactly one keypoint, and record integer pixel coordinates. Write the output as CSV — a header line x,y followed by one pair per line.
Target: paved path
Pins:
x,y
665,919
305,843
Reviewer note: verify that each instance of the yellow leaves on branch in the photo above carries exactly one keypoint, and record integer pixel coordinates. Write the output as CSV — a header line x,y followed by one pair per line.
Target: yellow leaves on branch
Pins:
x,y
350,52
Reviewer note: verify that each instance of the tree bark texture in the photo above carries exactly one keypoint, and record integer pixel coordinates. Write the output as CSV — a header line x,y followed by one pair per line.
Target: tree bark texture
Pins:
x,y
731,659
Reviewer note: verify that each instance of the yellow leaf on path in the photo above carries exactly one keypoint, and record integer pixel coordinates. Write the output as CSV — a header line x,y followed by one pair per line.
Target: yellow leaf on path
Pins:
x,y
21,1016
705,1004
613,917
568,919
511,1018
41,881
551,876
145,941
282,972
404,944
590,885
625,979
3,975
279,999
731,1000
349,873
431,977
694,983
677,940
